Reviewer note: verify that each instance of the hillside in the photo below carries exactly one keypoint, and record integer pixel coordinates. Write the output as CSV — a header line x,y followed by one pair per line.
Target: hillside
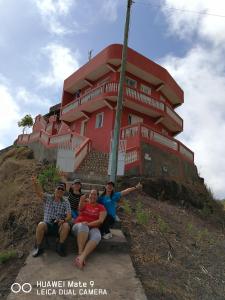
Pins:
x,y
177,247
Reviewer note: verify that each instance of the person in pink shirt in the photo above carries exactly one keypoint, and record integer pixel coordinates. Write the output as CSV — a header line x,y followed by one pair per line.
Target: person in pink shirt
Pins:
x,y
86,226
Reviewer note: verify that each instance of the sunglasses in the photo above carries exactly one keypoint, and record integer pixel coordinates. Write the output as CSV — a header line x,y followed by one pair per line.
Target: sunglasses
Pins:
x,y
60,189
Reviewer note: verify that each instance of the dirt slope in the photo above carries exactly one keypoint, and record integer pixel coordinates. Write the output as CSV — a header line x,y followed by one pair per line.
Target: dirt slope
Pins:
x,y
178,253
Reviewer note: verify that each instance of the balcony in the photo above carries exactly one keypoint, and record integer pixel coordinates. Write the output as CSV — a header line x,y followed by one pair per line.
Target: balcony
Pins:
x,y
134,134
133,99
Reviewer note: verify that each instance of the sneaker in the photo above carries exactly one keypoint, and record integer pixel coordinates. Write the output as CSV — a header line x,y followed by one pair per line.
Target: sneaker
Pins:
x,y
107,236
60,249
37,252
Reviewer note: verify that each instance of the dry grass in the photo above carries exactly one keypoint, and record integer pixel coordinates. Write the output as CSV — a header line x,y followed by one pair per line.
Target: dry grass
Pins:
x,y
19,208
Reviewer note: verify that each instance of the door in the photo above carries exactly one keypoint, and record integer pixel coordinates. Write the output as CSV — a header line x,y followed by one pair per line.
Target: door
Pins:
x,y
83,127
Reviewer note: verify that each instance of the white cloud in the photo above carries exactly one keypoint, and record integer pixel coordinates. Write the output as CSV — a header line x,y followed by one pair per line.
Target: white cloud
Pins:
x,y
62,64
52,11
193,20
109,9
9,115
16,103
201,74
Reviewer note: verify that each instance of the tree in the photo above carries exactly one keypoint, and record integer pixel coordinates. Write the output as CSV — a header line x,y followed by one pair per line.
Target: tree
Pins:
x,y
26,121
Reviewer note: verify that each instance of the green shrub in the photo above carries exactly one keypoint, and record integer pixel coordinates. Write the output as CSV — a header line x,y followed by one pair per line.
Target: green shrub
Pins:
x,y
6,255
49,177
163,226
141,215
127,207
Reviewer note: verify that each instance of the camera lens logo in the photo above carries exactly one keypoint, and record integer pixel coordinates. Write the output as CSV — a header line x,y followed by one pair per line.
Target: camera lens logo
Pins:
x,y
17,287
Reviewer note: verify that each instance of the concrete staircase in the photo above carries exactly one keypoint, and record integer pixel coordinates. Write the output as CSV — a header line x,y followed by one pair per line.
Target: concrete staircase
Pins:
x,y
95,163
108,269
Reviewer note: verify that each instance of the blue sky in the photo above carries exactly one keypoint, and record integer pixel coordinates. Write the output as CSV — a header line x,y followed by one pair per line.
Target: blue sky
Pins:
x,y
44,41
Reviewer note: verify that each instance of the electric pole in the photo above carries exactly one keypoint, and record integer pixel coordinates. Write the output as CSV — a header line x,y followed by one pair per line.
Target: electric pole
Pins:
x,y
116,132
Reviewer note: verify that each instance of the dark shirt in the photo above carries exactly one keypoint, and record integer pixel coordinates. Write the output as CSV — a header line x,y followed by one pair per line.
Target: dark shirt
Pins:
x,y
74,200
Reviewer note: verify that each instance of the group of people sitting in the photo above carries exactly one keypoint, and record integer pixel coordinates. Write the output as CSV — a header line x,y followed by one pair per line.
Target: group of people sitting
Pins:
x,y
88,217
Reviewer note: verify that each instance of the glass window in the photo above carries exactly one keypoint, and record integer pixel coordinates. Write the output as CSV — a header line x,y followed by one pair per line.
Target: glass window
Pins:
x,y
131,82
99,120
145,89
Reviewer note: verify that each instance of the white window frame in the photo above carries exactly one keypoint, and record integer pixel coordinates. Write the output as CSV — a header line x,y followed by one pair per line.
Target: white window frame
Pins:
x,y
134,116
145,89
97,125
127,79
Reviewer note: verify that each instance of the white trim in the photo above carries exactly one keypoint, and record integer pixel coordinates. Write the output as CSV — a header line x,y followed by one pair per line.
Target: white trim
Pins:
x,y
102,120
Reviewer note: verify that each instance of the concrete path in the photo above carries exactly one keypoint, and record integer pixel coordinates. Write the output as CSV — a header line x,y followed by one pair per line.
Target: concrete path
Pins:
x,y
107,275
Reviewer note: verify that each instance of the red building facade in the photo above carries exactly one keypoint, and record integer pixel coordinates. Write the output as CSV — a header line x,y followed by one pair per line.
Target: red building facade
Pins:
x,y
149,123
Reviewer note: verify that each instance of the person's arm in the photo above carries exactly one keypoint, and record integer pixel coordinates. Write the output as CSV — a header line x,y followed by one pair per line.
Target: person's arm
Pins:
x,y
82,202
131,189
37,187
97,223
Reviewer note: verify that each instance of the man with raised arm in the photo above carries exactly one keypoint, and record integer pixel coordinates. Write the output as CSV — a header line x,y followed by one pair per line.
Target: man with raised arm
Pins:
x,y
57,213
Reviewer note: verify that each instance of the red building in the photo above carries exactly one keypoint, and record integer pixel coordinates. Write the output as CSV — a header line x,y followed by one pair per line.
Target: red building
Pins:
x,y
85,118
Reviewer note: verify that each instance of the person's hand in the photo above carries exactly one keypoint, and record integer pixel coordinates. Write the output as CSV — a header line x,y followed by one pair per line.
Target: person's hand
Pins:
x,y
138,186
84,198
60,221
85,223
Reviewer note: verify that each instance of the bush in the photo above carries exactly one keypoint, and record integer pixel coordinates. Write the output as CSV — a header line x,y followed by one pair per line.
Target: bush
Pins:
x,y
127,207
6,255
49,177
141,215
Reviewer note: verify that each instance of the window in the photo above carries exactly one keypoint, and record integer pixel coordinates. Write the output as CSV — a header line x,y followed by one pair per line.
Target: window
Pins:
x,y
131,82
99,120
145,89
132,119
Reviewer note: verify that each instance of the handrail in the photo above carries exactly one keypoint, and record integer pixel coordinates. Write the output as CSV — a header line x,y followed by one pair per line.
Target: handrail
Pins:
x,y
81,152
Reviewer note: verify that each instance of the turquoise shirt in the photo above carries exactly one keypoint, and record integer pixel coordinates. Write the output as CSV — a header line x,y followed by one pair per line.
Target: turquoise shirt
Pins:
x,y
110,203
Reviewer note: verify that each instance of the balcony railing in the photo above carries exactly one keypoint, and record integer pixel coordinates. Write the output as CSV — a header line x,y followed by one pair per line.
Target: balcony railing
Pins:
x,y
186,152
60,139
144,131
34,136
89,96
144,98
174,116
112,87
131,156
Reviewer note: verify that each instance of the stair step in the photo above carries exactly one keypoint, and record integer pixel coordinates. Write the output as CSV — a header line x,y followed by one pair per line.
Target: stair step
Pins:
x,y
117,243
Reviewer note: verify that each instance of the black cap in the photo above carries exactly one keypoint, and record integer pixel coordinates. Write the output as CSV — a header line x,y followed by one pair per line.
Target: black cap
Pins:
x,y
61,185
111,182
77,181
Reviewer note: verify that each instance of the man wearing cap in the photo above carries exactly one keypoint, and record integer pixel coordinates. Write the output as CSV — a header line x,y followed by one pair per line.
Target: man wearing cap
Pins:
x,y
57,213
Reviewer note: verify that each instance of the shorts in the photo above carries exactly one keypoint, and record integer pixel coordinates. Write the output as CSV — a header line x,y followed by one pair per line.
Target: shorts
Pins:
x,y
93,233
53,229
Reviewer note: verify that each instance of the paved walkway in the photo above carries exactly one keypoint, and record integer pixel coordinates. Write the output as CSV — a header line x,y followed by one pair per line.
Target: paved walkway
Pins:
x,y
107,275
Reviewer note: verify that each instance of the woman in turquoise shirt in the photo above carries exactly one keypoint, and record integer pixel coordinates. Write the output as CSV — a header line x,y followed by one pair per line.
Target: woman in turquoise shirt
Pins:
x,y
109,199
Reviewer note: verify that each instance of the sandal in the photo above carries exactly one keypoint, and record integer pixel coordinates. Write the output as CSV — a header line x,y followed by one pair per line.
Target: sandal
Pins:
x,y
78,263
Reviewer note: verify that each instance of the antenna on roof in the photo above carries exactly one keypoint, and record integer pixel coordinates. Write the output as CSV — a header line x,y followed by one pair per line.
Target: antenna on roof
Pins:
x,y
90,54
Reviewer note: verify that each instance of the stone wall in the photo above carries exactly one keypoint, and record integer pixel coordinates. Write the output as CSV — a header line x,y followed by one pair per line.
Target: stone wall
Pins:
x,y
41,153
159,163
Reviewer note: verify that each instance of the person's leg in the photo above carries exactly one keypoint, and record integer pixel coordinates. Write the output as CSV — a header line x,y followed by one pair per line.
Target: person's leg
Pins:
x,y
63,232
81,231
94,239
40,232
107,224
